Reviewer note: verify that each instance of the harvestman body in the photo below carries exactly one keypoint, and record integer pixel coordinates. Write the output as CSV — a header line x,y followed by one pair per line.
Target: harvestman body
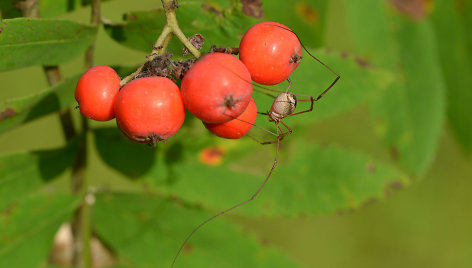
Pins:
x,y
284,105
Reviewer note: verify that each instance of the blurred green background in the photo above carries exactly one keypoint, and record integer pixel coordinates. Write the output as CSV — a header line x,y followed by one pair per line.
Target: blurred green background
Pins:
x,y
426,223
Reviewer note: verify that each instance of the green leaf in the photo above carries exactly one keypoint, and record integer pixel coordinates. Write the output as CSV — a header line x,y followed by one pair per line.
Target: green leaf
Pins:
x,y
27,42
147,231
27,229
410,116
22,110
23,173
456,58
221,27
8,10
115,150
314,180
51,8
306,18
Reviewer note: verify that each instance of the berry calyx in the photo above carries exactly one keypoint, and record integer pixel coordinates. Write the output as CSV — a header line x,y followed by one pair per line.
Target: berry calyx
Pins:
x,y
149,109
96,92
238,127
270,51
217,88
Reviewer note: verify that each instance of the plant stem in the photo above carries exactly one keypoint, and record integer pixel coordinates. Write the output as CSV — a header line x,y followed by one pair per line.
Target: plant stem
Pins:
x,y
169,8
158,49
81,222
170,29
29,8
95,20
54,76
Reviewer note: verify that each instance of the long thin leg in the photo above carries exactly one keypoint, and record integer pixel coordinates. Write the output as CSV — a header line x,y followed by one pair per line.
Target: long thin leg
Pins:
x,y
254,125
289,129
318,60
306,111
281,134
275,91
289,85
231,208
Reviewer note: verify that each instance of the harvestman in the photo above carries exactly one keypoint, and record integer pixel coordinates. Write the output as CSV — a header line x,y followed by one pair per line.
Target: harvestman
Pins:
x,y
283,106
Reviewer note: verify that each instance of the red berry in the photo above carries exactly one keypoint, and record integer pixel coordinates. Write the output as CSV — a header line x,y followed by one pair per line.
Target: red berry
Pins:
x,y
217,88
149,109
270,51
236,128
96,92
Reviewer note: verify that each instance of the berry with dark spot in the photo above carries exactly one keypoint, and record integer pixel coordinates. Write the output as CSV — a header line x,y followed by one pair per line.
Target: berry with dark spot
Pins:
x,y
217,88
270,51
238,127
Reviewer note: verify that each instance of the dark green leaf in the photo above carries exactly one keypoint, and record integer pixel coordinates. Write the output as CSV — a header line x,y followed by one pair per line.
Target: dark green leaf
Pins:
x,y
8,10
221,27
27,228
147,231
23,173
456,59
27,42
22,110
129,158
410,116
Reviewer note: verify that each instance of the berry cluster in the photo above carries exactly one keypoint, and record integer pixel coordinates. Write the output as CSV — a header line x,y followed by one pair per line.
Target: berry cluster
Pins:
x,y
217,89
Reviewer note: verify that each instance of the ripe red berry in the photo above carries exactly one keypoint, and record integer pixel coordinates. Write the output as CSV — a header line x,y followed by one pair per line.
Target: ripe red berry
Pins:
x,y
149,109
236,128
270,51
217,88
96,92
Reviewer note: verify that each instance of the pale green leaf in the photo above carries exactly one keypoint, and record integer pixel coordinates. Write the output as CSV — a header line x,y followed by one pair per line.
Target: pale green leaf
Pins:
x,y
51,8
306,18
147,231
360,83
26,42
23,173
27,228
410,116
47,8
22,110
314,180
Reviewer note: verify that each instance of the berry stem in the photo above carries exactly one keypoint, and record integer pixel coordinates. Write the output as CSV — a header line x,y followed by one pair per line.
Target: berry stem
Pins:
x,y
158,49
170,29
169,7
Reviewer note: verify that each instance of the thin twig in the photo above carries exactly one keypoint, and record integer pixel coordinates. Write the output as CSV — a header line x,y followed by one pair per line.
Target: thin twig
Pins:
x,y
30,9
81,223
95,21
158,50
